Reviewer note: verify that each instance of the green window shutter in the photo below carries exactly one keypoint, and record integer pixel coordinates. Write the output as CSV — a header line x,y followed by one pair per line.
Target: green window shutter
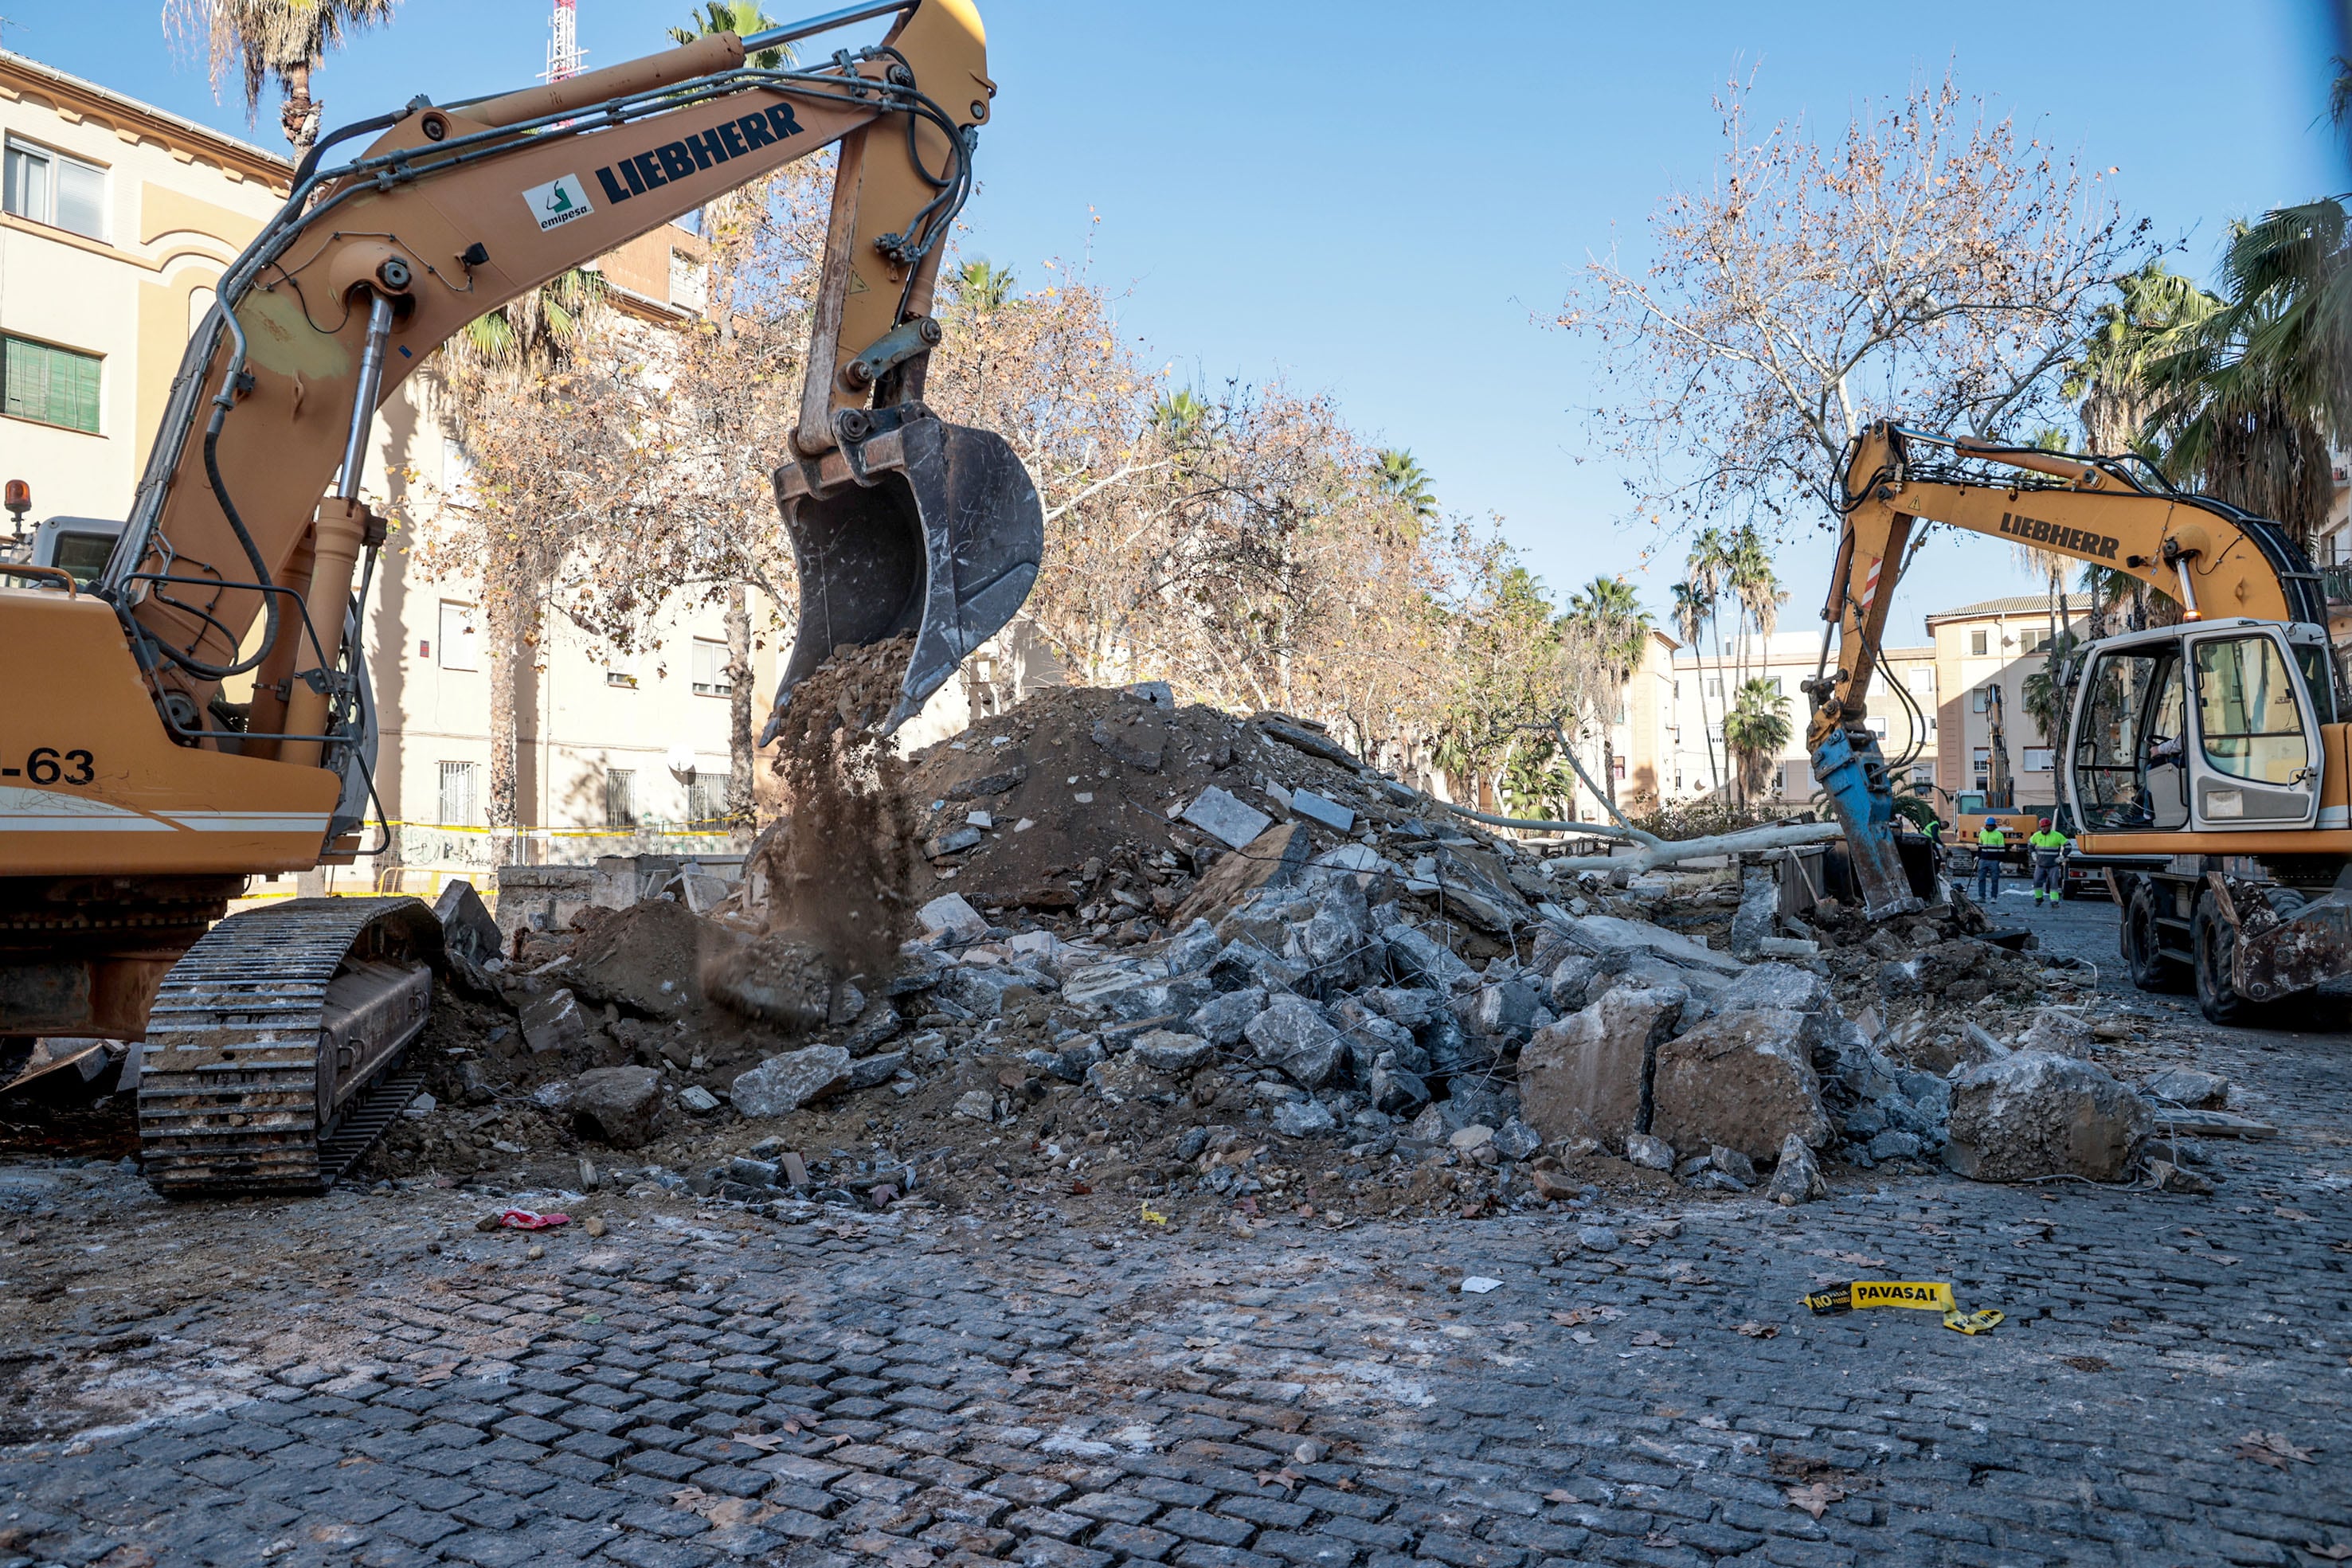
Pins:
x,y
55,386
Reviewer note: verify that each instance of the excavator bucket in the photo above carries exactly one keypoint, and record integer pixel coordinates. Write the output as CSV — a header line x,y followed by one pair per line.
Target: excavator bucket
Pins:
x,y
918,526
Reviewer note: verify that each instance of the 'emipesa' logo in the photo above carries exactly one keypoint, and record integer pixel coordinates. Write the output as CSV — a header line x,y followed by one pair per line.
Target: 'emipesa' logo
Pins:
x,y
677,160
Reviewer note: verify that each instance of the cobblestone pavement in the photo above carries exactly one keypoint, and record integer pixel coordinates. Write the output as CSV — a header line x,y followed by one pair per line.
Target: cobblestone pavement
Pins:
x,y
925,1390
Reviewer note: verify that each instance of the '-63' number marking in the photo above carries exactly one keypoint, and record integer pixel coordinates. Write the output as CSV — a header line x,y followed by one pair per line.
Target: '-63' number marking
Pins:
x,y
46,765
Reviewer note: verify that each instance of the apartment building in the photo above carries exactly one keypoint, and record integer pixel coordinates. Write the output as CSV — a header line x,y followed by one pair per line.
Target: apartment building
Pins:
x,y
1704,681
1998,645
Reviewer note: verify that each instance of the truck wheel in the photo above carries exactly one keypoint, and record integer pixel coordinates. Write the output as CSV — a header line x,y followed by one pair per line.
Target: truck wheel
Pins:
x,y
2215,943
2142,947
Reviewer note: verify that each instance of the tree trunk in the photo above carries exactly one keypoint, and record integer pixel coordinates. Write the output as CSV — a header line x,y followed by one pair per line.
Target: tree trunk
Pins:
x,y
502,619
299,115
739,754
1609,764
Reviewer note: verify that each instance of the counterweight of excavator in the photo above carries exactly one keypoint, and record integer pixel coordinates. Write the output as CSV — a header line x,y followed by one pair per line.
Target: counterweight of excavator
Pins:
x,y
46,765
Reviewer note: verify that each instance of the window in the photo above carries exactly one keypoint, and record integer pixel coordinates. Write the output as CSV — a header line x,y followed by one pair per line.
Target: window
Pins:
x,y
1922,683
710,669
200,303
2034,640
1976,642
2247,716
1618,764
1980,699
706,797
457,795
52,385
1877,726
1774,682
2037,760
689,281
620,668
1714,687
620,798
47,186
460,647
1981,764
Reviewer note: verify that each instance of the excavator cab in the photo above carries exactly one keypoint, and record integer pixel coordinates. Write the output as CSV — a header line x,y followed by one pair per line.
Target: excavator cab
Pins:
x,y
2212,726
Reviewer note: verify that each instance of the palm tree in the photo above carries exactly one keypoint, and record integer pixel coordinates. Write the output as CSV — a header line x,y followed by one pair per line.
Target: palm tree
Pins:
x,y
1754,731
1692,612
282,40
1178,414
983,287
1618,630
1751,579
1407,481
1709,567
742,18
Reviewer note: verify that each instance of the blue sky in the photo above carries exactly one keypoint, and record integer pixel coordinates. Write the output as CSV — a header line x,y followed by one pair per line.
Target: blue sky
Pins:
x,y
1389,202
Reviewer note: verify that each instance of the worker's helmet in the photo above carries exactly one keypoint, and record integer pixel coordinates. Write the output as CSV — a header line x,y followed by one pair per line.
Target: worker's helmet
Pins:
x,y
2045,824
1993,821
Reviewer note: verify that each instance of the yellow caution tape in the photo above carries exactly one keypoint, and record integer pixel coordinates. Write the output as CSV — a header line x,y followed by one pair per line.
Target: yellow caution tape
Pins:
x,y
1925,1295
1154,1215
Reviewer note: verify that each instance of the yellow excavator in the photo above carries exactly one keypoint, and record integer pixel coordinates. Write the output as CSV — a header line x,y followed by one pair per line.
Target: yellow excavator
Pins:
x,y
135,800
2216,743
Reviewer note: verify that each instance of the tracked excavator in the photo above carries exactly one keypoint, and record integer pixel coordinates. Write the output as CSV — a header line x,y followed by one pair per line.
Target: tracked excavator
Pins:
x,y
135,800
2213,749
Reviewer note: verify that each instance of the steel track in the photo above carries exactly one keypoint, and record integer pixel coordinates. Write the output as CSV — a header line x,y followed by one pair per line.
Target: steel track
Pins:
x,y
229,1082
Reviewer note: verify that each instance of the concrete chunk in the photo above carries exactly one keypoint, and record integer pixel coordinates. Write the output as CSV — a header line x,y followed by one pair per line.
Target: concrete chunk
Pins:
x,y
1293,1035
952,916
1587,1075
1744,1080
783,1084
2035,1114
1218,814
616,1105
1306,803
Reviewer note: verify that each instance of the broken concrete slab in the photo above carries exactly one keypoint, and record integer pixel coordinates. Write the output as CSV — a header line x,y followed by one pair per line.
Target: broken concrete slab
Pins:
x,y
1220,1020
1273,859
783,1084
952,916
2058,1031
1166,1050
468,930
2186,1086
1421,956
1744,1080
1304,1118
555,1023
1798,1176
1293,1035
1588,1076
1218,814
1603,934
1126,1077
1326,813
1758,913
2036,1113
616,1105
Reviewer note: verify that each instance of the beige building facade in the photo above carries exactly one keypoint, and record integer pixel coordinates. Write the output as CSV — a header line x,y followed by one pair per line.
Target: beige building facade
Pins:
x,y
1996,645
1704,681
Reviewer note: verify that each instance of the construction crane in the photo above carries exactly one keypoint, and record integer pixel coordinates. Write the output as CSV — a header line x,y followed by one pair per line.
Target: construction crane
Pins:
x,y
2217,744
135,800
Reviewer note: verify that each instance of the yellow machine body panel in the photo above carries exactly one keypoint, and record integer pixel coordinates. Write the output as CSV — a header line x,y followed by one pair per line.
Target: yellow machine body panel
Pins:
x,y
90,784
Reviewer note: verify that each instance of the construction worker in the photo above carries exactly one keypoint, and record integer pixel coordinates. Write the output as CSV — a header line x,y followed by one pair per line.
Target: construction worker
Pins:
x,y
2049,848
1990,843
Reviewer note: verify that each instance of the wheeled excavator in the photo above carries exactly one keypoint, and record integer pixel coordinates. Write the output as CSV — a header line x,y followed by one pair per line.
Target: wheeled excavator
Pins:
x,y
2214,747
135,802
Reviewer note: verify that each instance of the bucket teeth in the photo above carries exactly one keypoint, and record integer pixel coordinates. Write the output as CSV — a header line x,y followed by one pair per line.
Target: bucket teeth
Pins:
x,y
920,527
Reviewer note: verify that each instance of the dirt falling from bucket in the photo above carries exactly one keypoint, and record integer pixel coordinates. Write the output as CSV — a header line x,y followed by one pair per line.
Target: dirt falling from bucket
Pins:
x,y
839,874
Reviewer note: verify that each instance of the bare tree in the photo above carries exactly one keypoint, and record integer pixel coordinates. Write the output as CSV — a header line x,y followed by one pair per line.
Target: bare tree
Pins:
x,y
1928,263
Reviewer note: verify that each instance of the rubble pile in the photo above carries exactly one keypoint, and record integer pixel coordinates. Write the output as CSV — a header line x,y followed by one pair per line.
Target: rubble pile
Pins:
x,y
1176,962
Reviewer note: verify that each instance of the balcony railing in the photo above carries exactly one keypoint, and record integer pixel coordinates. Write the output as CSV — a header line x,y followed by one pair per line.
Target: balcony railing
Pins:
x,y
2336,581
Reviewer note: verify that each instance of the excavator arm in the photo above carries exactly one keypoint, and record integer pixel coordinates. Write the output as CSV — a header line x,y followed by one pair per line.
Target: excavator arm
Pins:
x,y
249,509
2210,558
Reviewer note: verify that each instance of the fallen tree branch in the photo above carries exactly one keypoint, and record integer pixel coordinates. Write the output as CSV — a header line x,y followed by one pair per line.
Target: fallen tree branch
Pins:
x,y
1658,852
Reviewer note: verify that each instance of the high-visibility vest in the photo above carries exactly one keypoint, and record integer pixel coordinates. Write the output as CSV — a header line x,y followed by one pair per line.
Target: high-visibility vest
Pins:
x,y
1992,838
2053,840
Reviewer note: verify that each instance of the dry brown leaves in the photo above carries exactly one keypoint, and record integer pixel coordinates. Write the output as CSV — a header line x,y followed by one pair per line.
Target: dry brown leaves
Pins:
x,y
1815,1496
1652,1337
2274,1449
1577,1317
1760,1331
